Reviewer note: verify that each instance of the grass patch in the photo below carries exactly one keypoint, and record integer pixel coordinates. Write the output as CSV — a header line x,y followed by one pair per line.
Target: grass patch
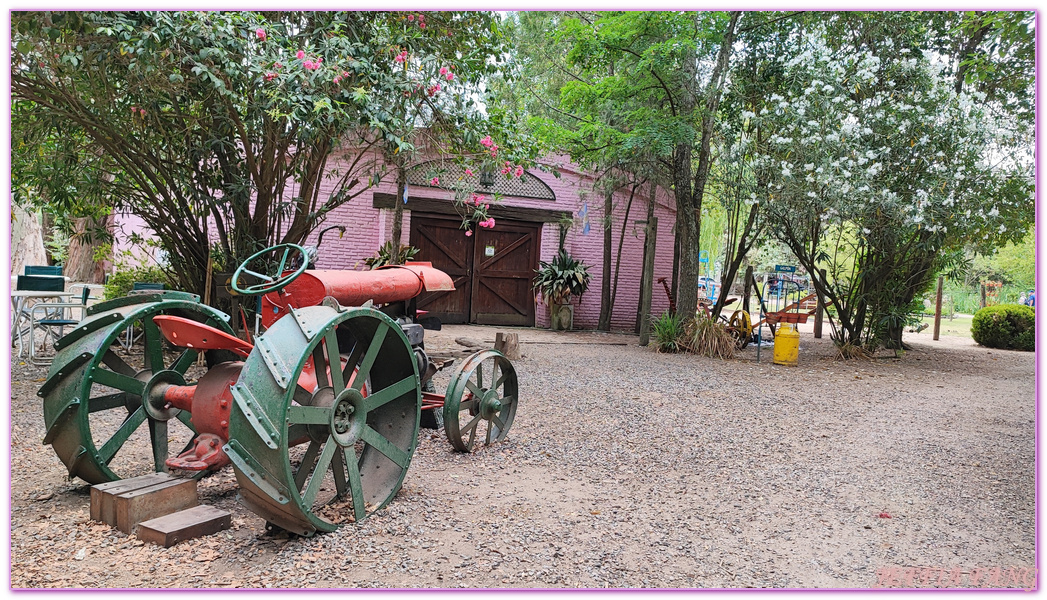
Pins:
x,y
959,326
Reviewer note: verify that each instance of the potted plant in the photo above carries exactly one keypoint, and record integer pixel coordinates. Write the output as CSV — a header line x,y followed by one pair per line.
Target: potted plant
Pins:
x,y
556,281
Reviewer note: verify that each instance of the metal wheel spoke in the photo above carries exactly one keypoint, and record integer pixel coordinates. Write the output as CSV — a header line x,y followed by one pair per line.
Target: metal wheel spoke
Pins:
x,y
107,402
371,355
308,415
338,466
130,424
490,433
378,442
388,394
320,366
259,275
497,421
472,387
471,425
334,359
116,380
307,464
297,433
117,364
158,435
507,400
356,488
186,418
283,261
354,360
480,375
467,405
154,347
302,396
313,488
184,361
498,383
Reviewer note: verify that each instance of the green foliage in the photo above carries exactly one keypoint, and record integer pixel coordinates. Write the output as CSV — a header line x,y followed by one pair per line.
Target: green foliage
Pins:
x,y
1007,326
222,125
385,256
668,331
556,281
122,281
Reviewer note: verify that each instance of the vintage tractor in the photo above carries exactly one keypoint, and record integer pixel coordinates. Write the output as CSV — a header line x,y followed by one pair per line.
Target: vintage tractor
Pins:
x,y
319,416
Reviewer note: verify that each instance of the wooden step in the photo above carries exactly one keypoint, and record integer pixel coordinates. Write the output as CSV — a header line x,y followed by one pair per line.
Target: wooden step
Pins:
x,y
185,524
103,495
124,504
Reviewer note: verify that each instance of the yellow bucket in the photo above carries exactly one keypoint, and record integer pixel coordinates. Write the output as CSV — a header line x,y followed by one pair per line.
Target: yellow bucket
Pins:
x,y
786,345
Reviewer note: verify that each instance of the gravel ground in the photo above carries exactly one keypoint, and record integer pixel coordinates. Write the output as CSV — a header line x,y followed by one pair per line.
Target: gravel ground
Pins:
x,y
629,468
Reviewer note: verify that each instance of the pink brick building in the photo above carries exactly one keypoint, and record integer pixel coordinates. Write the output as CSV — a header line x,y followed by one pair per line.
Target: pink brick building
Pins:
x,y
534,206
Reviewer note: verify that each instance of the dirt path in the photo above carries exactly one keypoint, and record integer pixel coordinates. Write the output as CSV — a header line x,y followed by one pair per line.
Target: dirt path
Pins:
x,y
628,468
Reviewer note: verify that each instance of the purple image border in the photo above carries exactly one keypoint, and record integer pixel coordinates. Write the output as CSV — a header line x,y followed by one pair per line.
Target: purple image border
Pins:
x,y
1039,357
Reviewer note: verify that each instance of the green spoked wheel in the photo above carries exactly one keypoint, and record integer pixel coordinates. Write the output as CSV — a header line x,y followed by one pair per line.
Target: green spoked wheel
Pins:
x,y
481,400
96,410
325,418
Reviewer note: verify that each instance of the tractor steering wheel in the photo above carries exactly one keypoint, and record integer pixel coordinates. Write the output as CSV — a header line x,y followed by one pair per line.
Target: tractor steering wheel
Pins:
x,y
278,280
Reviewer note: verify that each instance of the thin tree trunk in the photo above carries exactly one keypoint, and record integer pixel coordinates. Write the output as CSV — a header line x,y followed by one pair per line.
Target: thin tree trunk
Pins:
x,y
398,212
604,323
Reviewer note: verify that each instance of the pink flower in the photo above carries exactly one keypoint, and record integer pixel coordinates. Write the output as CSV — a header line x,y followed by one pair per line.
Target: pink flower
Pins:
x,y
134,109
506,170
443,70
310,65
260,33
142,111
277,65
468,232
468,173
410,17
486,142
421,24
270,76
300,55
450,76
434,181
337,78
519,171
345,74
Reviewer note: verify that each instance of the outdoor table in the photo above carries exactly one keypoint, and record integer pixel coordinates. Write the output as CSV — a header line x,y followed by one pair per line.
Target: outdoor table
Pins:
x,y
21,302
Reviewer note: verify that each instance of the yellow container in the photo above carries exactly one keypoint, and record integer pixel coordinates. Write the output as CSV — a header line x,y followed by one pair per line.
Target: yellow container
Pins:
x,y
786,345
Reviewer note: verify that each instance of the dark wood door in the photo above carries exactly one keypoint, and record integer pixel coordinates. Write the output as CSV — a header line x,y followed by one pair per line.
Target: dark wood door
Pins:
x,y
504,260
492,270
442,242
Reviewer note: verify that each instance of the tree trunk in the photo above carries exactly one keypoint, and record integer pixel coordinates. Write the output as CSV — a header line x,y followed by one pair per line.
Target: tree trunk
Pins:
x,y
604,323
80,264
398,212
27,240
647,249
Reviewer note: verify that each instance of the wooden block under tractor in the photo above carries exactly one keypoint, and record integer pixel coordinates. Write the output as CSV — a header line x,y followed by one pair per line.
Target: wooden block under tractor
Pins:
x,y
103,505
185,524
154,501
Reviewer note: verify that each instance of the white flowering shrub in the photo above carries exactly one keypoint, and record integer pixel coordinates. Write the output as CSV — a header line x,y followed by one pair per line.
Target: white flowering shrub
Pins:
x,y
875,169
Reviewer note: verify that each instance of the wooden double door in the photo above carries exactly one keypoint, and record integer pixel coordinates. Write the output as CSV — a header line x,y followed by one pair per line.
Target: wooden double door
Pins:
x,y
492,270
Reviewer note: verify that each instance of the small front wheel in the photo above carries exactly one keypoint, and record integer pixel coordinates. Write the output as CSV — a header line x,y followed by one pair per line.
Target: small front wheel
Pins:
x,y
481,400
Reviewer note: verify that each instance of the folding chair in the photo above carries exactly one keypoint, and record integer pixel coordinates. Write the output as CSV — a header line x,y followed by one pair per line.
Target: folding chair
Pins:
x,y
28,288
54,315
55,270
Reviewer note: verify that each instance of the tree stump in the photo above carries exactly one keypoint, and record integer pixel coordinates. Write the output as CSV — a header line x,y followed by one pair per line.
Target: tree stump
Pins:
x,y
508,344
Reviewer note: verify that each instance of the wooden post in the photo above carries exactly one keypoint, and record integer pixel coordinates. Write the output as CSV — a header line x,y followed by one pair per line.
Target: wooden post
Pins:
x,y
938,307
819,313
647,280
983,296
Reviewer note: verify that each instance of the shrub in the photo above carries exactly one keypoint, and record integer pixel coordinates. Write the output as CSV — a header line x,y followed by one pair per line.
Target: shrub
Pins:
x,y
121,282
668,329
1007,326
384,255
704,336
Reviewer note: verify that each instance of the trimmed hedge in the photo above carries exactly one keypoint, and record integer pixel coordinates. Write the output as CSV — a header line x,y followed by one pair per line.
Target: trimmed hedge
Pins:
x,y
1007,326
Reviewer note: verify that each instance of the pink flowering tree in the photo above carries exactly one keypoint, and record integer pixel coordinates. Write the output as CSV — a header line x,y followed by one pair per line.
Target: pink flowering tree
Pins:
x,y
225,125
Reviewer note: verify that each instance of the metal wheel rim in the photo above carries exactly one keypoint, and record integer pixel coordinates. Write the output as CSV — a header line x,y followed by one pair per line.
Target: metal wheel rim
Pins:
x,y
463,418
74,405
286,486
